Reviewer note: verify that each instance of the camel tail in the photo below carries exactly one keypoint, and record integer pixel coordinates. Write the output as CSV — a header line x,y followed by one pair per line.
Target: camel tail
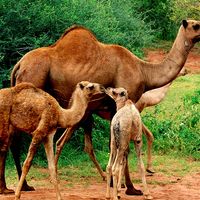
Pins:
x,y
13,74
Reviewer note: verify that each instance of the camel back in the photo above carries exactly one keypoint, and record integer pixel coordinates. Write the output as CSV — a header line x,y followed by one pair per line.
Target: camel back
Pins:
x,y
70,29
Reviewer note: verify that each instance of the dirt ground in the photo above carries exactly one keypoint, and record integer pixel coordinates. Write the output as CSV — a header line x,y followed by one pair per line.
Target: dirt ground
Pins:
x,y
161,186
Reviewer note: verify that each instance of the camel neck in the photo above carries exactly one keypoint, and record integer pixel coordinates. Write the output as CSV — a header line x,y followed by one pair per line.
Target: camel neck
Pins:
x,y
73,115
120,103
157,75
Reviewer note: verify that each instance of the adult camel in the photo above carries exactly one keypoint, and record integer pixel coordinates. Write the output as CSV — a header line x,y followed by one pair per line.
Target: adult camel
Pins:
x,y
78,56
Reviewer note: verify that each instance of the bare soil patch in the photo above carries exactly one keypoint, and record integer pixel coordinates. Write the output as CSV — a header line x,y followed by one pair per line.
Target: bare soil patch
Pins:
x,y
161,187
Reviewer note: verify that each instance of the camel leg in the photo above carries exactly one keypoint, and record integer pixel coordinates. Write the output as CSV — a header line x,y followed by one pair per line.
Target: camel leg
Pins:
x,y
48,144
117,169
130,188
138,148
109,170
15,149
61,141
89,147
3,188
37,139
150,139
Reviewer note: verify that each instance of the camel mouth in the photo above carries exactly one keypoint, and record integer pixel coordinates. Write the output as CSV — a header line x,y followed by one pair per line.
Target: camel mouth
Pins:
x,y
108,91
196,39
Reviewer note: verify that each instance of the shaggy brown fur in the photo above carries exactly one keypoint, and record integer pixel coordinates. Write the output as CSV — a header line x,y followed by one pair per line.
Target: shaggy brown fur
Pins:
x,y
77,56
29,109
126,125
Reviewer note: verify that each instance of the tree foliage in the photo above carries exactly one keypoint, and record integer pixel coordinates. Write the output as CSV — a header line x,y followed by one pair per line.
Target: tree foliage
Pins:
x,y
185,9
27,25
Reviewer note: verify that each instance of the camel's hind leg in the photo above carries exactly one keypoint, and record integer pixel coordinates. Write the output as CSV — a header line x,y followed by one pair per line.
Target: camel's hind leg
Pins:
x,y
150,139
109,168
87,125
5,139
37,139
3,188
130,188
48,144
117,171
138,146
15,149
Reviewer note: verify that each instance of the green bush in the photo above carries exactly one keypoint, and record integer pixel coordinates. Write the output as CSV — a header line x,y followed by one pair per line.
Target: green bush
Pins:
x,y
177,132
27,25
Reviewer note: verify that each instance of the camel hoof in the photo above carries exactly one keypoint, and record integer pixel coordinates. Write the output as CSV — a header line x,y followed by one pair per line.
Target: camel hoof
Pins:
x,y
148,196
133,191
150,171
104,178
26,187
6,191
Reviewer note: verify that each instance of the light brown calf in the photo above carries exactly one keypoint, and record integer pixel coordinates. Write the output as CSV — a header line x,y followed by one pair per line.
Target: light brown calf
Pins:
x,y
126,125
29,109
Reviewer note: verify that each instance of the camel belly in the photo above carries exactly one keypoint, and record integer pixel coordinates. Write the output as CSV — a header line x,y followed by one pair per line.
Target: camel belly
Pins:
x,y
63,79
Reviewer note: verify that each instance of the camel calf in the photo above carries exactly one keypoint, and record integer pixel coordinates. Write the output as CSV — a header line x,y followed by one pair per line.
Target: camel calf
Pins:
x,y
29,109
126,125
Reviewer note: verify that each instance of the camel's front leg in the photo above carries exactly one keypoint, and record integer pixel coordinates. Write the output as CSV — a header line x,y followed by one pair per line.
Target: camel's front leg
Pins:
x,y
3,188
48,144
89,147
150,139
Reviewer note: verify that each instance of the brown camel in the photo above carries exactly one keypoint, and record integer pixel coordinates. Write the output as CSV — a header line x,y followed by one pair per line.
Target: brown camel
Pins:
x,y
29,109
78,55
126,125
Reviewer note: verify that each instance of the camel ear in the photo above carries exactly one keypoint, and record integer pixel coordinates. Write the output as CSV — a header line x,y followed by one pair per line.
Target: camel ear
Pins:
x,y
81,86
185,23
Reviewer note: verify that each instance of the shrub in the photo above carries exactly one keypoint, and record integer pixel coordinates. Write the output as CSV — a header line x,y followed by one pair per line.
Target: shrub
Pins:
x,y
27,25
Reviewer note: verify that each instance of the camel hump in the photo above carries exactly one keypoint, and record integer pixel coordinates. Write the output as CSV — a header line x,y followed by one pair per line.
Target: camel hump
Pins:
x,y
23,86
74,28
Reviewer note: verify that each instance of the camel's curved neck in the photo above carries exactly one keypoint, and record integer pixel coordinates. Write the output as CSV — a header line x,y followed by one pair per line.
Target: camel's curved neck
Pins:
x,y
73,115
157,75
120,103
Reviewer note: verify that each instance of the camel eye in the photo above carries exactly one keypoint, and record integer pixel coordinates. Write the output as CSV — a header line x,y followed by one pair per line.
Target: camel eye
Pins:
x,y
122,94
196,27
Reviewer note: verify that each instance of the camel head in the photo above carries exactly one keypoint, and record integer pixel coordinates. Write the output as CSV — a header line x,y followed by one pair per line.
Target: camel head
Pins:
x,y
192,30
117,94
90,89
